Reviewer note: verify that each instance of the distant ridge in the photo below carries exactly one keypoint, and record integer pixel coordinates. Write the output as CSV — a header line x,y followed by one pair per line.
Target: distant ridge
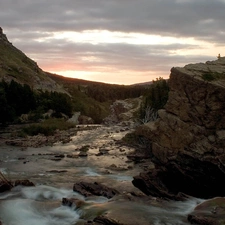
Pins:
x,y
15,65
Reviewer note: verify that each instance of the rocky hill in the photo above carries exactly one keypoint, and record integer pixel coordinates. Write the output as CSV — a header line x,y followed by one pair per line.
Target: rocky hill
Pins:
x,y
188,138
15,65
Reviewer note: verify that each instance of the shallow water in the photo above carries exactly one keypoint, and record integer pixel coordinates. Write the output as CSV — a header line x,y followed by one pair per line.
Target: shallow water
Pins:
x,y
41,205
54,177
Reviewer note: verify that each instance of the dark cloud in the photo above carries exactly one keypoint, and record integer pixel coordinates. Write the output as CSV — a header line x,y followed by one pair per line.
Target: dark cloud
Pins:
x,y
181,18
27,21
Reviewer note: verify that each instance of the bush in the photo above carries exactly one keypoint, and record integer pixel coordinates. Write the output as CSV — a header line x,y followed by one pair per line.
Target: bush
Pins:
x,y
48,127
210,76
154,99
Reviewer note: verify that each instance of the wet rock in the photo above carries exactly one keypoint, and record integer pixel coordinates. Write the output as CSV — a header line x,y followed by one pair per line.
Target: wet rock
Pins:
x,y
21,158
117,168
72,156
26,183
89,189
84,148
150,184
5,186
56,159
83,154
209,212
103,151
72,202
104,220
60,156
57,171
185,174
202,220
99,154
138,157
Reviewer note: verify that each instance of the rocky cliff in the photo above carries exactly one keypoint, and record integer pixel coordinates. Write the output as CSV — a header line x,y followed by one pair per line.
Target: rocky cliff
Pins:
x,y
188,138
15,65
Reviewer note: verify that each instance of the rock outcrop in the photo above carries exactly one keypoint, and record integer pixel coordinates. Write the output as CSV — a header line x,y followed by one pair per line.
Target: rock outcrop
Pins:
x,y
123,110
188,138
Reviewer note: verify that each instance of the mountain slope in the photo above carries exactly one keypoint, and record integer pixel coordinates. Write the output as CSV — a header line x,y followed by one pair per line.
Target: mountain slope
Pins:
x,y
15,65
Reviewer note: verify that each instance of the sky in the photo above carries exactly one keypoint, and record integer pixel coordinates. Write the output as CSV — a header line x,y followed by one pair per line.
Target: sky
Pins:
x,y
115,41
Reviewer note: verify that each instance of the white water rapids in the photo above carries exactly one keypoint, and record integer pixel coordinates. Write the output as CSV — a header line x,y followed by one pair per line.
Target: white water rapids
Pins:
x,y
54,179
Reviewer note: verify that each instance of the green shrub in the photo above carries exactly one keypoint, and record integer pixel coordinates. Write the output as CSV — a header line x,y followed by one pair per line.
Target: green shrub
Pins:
x,y
210,76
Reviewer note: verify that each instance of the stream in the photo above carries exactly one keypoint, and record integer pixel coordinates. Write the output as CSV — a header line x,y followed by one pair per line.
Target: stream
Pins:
x,y
55,169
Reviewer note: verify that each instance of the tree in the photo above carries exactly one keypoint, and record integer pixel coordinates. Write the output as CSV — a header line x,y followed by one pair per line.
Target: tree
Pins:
x,y
154,99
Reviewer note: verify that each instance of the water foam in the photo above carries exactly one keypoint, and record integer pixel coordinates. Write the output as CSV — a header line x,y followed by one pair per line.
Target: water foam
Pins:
x,y
39,205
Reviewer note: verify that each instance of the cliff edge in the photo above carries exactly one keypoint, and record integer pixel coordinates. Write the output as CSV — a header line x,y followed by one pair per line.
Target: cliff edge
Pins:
x,y
188,138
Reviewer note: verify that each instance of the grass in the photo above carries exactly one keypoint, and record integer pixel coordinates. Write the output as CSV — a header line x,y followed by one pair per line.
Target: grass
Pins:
x,y
17,64
48,127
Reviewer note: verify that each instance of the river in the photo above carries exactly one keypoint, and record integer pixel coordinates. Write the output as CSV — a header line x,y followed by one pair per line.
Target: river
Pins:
x,y
92,155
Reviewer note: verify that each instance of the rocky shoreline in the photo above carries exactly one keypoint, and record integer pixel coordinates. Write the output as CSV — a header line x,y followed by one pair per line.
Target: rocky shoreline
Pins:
x,y
10,136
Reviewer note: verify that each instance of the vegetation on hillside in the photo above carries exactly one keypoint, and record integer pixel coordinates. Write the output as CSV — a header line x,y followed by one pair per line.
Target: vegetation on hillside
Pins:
x,y
15,64
17,99
47,127
93,99
90,98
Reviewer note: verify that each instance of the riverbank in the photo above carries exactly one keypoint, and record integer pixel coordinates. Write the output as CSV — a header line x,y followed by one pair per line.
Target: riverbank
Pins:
x,y
11,135
93,157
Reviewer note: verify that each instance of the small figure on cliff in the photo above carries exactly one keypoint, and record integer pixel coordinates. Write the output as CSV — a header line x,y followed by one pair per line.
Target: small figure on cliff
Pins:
x,y
218,57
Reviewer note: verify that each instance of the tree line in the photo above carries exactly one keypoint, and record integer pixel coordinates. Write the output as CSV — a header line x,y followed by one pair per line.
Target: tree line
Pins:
x,y
17,99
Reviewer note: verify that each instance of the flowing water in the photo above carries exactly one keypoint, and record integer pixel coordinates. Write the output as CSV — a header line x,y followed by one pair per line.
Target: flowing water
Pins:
x,y
54,170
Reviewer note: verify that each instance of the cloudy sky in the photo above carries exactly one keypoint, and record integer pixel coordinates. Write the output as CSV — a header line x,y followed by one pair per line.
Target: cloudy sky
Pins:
x,y
115,41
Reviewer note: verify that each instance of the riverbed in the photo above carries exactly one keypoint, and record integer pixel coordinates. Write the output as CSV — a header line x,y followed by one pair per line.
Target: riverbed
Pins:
x,y
92,155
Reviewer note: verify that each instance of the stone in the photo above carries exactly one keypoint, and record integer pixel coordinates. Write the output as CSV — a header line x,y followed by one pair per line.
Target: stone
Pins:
x,y
201,220
5,186
209,212
89,189
26,183
73,202
106,220
187,140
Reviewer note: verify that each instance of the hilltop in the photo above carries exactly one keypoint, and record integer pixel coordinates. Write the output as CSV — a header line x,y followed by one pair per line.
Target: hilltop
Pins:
x,y
15,65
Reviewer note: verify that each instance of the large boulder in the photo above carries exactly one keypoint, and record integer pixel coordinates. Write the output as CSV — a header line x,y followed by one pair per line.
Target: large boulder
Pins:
x,y
188,138
210,212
